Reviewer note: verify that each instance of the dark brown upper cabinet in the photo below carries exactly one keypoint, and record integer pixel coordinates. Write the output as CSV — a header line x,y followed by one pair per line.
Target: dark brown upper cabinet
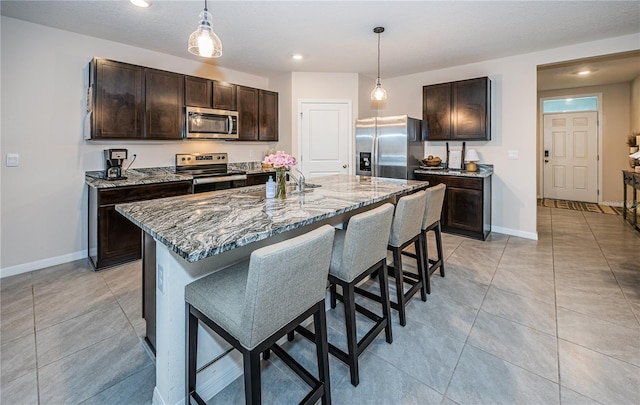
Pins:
x,y
164,95
134,102
117,102
457,110
248,105
267,115
224,96
138,103
436,115
207,93
257,114
197,92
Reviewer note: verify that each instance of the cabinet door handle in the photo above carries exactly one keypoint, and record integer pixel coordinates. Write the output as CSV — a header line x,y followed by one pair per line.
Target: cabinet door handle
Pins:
x,y
344,166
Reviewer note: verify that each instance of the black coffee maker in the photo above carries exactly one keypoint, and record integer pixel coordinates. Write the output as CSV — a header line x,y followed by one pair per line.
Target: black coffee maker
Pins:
x,y
113,159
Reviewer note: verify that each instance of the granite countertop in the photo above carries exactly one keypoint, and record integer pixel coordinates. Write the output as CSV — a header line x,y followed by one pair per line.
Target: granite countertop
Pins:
x,y
136,177
201,225
483,171
250,167
152,175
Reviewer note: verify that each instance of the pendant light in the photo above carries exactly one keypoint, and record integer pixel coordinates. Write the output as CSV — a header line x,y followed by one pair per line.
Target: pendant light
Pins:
x,y
203,41
378,93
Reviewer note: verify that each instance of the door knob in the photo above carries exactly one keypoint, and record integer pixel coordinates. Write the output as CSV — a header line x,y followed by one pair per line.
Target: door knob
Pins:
x,y
344,166
546,160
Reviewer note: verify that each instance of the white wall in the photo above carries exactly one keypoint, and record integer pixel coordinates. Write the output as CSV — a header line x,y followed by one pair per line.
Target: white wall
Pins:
x,y
282,84
44,81
635,105
513,122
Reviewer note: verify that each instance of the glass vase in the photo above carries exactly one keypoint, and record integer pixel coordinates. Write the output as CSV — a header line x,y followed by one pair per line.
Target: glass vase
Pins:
x,y
281,184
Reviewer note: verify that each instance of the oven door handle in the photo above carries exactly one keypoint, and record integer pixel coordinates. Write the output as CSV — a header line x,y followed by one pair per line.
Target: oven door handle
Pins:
x,y
207,180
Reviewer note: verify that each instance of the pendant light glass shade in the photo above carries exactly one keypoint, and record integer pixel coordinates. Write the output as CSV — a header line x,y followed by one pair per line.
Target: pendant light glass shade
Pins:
x,y
378,93
203,41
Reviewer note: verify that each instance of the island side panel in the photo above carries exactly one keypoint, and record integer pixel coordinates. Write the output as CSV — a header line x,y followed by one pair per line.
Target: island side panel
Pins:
x,y
149,289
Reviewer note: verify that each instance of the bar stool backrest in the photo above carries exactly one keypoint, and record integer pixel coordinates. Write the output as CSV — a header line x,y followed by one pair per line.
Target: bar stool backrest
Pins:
x,y
407,220
433,208
284,280
365,241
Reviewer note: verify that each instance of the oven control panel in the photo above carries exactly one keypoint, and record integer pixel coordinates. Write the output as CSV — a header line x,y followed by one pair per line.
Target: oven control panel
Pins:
x,y
190,159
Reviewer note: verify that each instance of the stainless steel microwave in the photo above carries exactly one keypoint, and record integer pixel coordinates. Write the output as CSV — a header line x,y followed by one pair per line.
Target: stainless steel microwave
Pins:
x,y
205,123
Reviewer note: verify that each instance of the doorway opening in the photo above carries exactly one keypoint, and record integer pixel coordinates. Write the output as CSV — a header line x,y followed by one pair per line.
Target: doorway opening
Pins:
x,y
570,166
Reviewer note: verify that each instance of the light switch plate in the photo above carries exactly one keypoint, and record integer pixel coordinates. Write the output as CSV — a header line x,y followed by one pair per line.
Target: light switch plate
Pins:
x,y
13,160
513,154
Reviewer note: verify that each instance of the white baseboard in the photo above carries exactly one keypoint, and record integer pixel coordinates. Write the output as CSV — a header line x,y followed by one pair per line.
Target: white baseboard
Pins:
x,y
217,376
41,264
515,232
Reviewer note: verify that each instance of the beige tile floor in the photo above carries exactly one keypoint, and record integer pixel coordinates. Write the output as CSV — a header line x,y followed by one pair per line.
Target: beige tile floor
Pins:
x,y
514,321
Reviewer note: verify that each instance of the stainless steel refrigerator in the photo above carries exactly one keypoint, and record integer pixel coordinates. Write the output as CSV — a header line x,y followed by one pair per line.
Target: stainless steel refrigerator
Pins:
x,y
388,146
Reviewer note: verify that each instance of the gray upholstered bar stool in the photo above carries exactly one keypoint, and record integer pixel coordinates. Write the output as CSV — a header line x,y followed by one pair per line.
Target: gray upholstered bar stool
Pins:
x,y
405,230
358,252
431,222
254,303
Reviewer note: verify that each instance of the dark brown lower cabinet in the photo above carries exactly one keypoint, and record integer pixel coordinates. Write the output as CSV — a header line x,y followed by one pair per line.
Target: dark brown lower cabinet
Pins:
x,y
467,204
254,179
113,239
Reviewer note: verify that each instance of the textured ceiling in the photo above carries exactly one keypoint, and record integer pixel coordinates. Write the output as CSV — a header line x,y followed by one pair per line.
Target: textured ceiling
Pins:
x,y
336,36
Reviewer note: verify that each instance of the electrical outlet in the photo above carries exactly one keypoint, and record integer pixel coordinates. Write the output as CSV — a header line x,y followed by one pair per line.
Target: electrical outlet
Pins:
x,y
160,279
513,155
13,160
251,153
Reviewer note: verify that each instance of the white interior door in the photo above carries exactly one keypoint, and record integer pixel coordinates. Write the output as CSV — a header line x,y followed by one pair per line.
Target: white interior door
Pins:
x,y
326,137
570,156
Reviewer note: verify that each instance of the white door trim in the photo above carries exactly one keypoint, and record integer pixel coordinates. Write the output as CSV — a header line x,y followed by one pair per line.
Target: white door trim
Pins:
x,y
349,104
541,139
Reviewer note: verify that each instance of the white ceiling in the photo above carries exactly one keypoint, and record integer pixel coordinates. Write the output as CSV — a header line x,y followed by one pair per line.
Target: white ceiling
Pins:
x,y
337,36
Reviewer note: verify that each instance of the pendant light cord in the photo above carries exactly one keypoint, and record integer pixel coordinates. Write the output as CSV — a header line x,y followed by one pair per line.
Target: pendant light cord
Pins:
x,y
205,5
378,57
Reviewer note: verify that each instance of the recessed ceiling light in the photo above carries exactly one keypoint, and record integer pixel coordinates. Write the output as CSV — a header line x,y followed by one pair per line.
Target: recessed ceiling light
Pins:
x,y
584,72
297,56
141,3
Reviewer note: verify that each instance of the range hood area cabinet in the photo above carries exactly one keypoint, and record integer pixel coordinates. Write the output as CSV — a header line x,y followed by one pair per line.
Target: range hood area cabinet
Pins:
x,y
135,102
457,111
257,114
206,93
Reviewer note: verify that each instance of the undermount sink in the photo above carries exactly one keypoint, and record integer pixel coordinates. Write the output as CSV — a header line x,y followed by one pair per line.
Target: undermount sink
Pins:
x,y
292,190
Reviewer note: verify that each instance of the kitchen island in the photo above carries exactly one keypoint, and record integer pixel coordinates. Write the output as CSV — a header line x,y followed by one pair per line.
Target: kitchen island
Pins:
x,y
188,237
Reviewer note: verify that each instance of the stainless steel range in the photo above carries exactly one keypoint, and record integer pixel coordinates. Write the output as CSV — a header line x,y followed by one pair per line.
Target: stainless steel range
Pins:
x,y
210,171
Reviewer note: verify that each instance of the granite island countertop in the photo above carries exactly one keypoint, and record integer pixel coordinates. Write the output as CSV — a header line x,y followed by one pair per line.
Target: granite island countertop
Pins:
x,y
483,171
201,225
136,177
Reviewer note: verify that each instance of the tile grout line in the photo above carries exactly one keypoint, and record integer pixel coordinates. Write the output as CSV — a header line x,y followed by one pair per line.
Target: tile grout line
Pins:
x,y
35,339
555,306
474,318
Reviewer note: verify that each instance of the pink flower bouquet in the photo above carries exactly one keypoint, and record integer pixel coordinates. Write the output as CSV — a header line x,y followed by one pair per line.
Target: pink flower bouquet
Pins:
x,y
280,160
